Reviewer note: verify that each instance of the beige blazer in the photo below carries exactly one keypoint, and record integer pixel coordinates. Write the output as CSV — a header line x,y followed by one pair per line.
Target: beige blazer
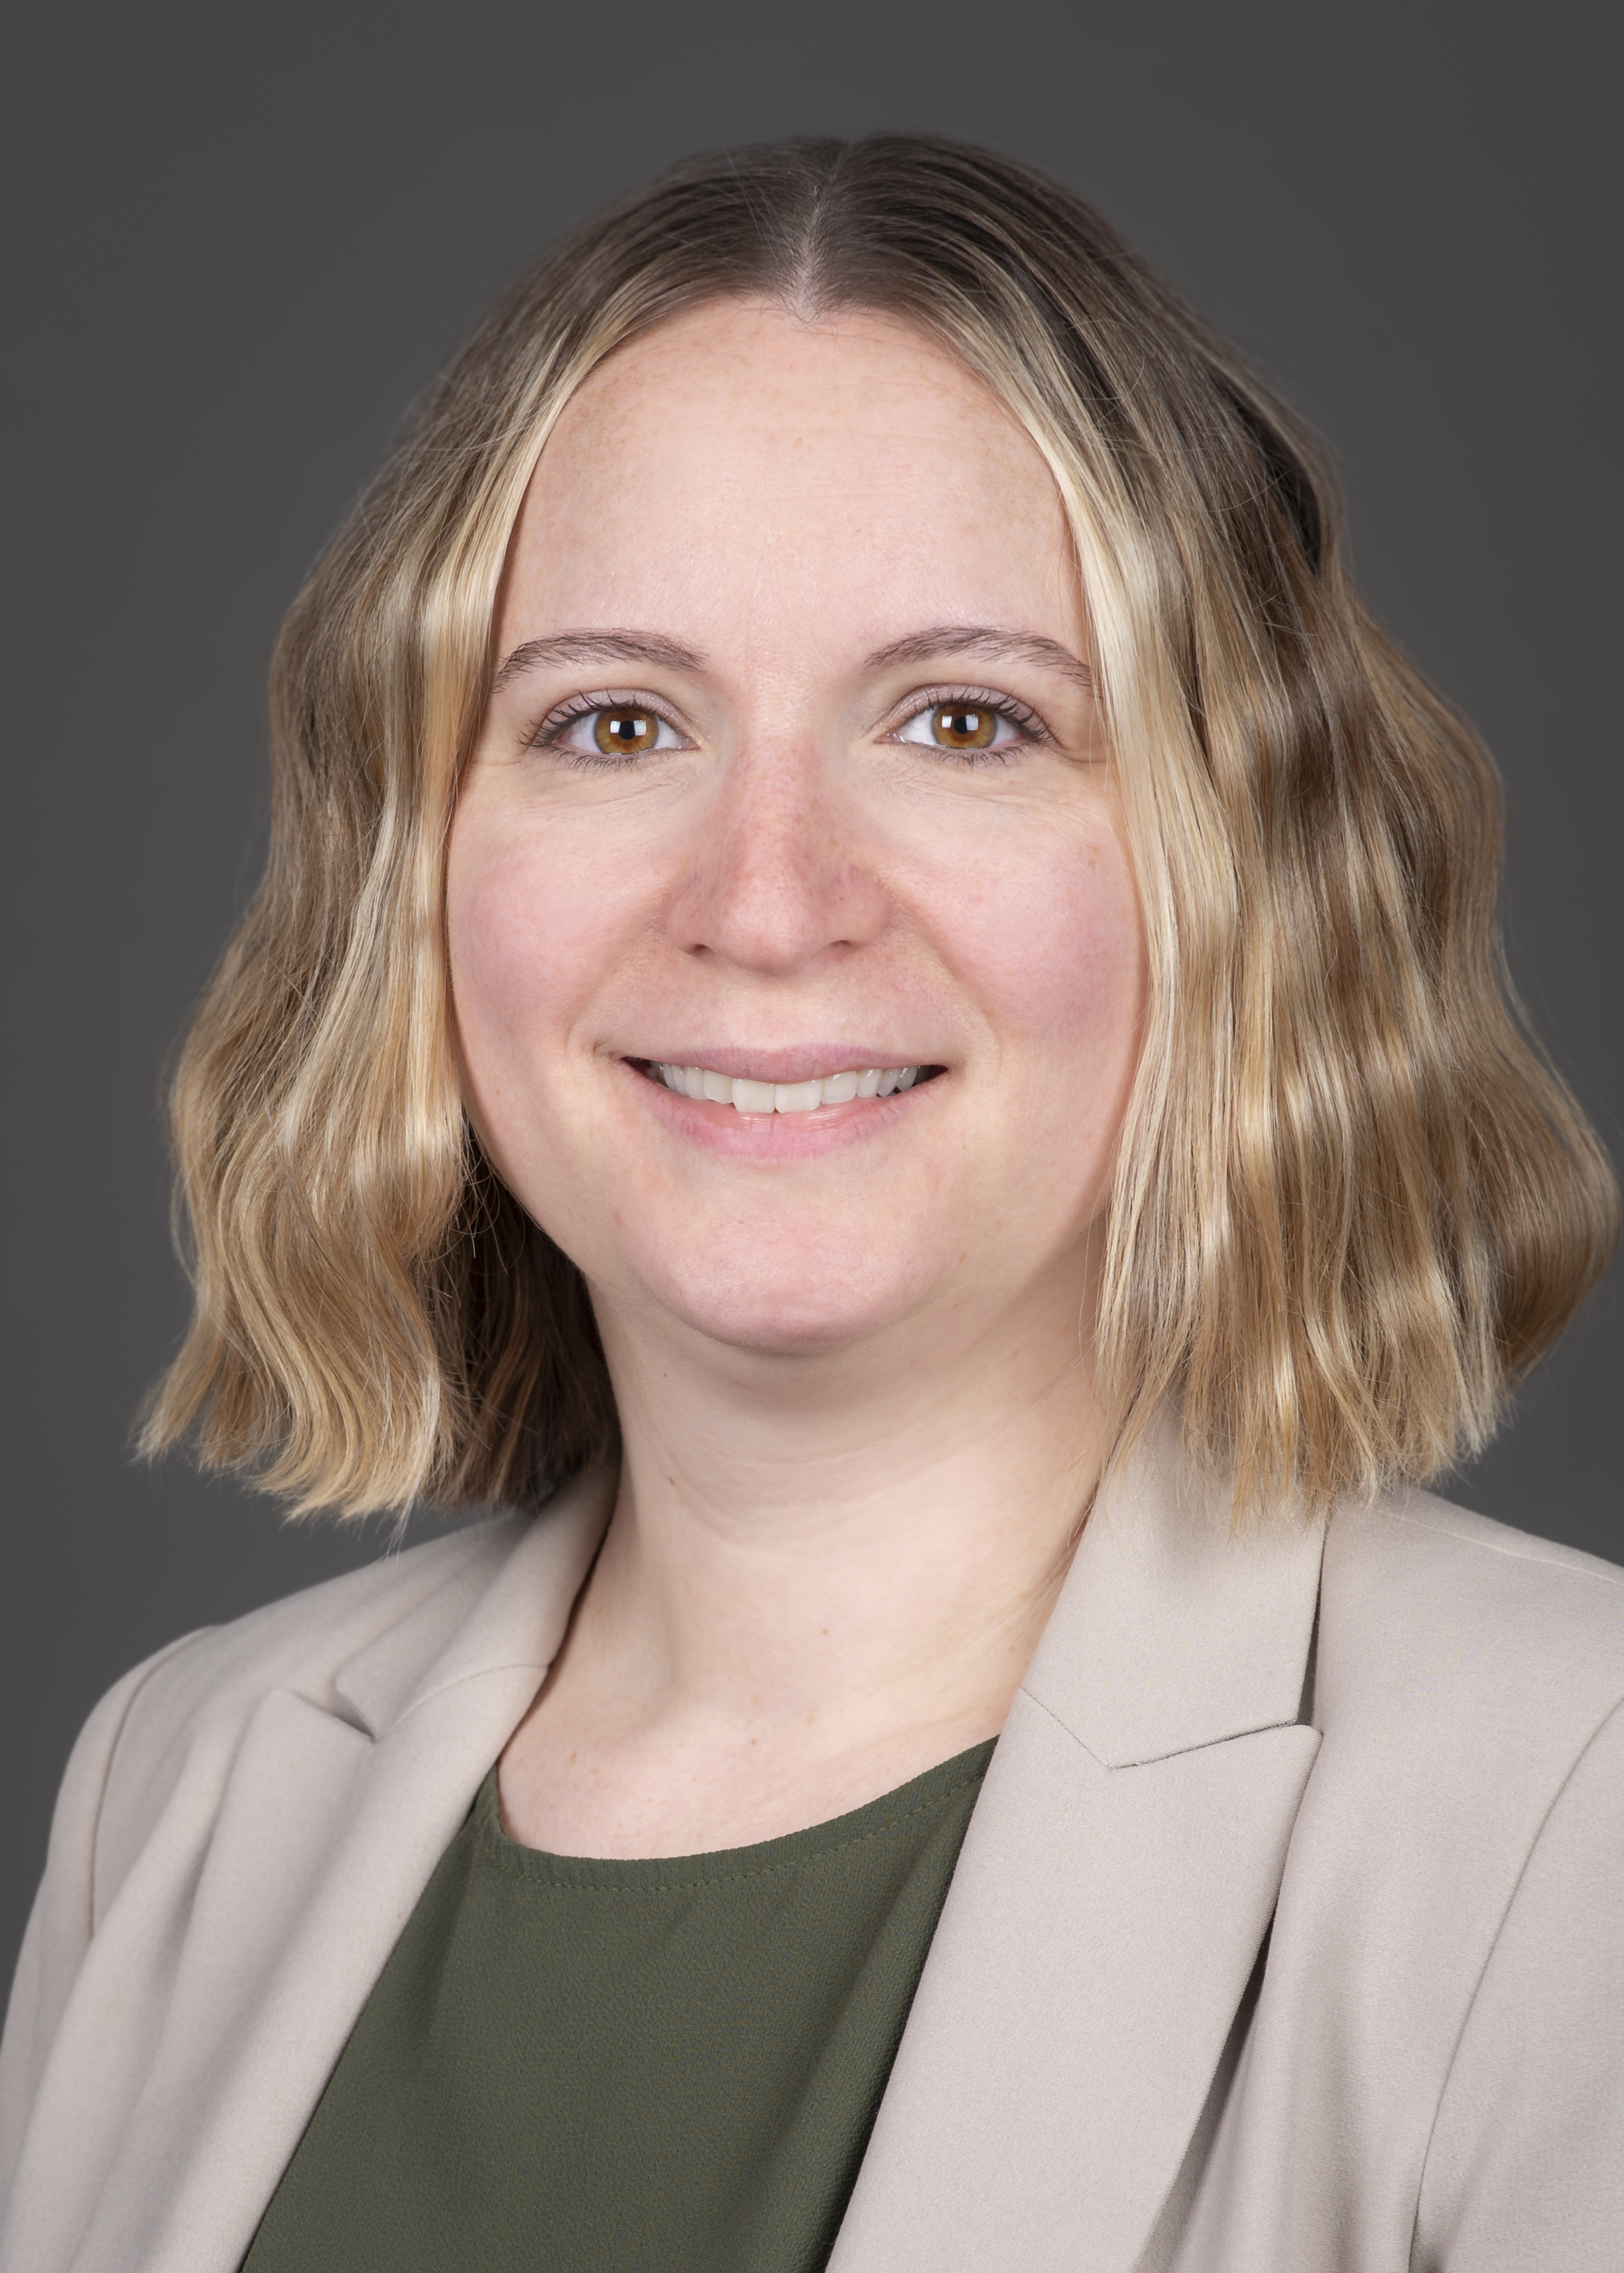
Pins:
x,y
1288,1936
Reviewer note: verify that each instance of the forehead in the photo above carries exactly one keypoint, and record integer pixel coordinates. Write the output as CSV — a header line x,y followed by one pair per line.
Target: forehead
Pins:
x,y
762,374
740,441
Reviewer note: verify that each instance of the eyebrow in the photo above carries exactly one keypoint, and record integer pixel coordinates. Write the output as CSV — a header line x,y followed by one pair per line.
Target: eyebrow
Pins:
x,y
983,641
598,647
989,643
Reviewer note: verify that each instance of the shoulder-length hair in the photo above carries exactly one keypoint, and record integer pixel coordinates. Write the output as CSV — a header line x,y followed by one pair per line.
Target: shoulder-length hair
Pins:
x,y
1352,1205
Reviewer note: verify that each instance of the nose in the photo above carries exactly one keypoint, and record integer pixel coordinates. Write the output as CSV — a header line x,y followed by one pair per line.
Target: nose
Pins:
x,y
782,882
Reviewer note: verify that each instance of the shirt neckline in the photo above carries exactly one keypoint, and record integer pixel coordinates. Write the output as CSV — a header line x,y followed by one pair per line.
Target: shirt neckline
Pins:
x,y
891,1812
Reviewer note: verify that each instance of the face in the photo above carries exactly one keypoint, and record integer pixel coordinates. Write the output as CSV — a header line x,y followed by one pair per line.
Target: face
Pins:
x,y
793,777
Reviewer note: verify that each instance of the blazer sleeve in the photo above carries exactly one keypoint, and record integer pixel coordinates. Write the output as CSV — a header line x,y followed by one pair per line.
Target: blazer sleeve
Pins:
x,y
1525,2170
65,1912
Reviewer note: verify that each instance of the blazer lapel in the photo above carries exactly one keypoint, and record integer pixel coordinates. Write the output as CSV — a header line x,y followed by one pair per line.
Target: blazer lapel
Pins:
x,y
1115,1887
334,1826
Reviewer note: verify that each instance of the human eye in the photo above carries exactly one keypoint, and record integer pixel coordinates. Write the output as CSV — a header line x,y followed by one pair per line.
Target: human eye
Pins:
x,y
607,729
970,723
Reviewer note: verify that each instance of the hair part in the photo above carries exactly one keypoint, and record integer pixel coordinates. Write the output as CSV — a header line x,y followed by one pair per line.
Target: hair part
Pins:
x,y
1353,1203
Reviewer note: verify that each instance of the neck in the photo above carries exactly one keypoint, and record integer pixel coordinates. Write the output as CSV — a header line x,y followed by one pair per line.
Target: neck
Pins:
x,y
822,1574
797,1531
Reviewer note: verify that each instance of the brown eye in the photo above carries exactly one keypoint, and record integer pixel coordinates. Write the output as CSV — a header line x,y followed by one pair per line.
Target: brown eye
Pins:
x,y
624,733
961,726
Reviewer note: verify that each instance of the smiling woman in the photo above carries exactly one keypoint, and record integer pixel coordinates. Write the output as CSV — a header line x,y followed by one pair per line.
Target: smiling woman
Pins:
x,y
876,1007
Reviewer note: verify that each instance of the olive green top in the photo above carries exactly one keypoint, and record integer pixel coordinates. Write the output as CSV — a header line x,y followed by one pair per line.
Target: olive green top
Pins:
x,y
666,2066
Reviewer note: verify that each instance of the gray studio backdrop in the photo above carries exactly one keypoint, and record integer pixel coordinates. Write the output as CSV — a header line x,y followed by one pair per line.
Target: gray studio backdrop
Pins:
x,y
247,238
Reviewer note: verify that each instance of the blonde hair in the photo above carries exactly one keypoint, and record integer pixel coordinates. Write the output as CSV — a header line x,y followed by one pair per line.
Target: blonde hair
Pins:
x,y
1352,1205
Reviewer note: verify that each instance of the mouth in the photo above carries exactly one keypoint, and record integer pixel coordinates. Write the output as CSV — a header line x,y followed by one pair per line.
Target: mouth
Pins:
x,y
747,1095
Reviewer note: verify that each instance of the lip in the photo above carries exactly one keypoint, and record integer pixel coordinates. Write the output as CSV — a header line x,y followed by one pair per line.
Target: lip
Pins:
x,y
777,1136
805,1062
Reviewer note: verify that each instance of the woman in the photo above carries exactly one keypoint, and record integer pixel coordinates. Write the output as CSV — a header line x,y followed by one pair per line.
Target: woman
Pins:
x,y
875,1008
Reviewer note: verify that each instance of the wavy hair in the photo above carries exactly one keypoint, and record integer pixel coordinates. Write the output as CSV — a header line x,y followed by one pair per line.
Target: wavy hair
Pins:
x,y
1352,1205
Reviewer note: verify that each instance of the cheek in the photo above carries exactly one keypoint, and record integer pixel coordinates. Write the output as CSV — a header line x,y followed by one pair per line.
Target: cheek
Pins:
x,y
1056,945
528,933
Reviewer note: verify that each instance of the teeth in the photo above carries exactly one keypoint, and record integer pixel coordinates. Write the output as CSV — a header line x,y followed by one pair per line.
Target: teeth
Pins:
x,y
699,1081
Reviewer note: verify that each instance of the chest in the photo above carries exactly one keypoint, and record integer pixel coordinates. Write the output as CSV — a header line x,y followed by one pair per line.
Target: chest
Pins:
x,y
601,2064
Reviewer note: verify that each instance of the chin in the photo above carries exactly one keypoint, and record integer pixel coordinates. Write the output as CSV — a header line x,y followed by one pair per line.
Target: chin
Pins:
x,y
818,1307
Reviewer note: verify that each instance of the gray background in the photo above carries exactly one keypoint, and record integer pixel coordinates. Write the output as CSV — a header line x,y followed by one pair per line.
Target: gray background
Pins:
x,y
242,240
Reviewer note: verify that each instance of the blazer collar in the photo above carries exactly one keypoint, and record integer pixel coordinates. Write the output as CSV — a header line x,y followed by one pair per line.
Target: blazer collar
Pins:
x,y
519,1622
1174,1629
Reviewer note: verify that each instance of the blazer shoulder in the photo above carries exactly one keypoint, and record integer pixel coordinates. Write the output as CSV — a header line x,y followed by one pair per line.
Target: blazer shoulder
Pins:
x,y
1457,1532
1429,1610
